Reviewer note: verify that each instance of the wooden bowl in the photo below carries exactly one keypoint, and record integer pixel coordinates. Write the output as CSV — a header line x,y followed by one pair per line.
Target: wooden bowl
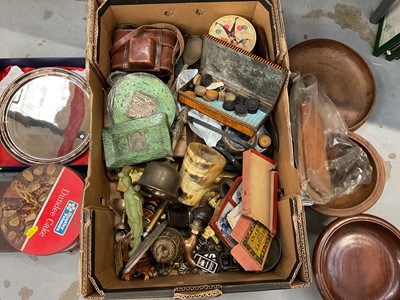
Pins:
x,y
342,73
358,258
366,195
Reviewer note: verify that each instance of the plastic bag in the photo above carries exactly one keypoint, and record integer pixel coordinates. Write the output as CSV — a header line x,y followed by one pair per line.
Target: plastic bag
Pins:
x,y
330,164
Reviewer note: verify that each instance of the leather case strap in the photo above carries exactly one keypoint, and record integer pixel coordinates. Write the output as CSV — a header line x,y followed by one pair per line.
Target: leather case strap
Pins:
x,y
177,50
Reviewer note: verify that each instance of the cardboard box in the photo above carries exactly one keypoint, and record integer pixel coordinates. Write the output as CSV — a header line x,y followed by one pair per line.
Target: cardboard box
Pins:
x,y
98,279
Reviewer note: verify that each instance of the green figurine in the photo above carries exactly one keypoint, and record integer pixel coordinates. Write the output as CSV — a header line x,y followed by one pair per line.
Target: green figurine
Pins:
x,y
134,209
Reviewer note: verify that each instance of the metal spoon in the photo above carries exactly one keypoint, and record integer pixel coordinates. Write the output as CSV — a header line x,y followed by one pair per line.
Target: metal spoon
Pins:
x,y
191,54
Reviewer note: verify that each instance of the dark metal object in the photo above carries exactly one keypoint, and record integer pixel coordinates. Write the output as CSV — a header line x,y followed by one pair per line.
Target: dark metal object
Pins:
x,y
206,264
381,11
168,247
161,180
228,263
232,162
143,247
224,186
223,133
203,213
179,216
274,254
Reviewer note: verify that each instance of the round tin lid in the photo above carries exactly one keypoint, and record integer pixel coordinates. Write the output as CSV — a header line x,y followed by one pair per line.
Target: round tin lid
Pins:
x,y
44,116
236,31
342,73
39,213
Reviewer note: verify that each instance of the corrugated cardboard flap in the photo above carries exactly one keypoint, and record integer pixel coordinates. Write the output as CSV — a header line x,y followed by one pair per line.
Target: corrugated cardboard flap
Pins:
x,y
295,242
89,284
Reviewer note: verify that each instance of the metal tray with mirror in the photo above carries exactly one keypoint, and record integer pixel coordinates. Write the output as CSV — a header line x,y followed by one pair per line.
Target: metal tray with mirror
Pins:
x,y
44,116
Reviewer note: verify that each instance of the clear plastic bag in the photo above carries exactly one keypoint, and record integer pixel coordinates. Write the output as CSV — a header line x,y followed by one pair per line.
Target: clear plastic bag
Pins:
x,y
330,164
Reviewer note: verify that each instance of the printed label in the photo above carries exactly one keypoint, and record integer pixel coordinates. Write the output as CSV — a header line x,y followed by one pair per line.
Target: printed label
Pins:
x,y
31,231
66,217
257,241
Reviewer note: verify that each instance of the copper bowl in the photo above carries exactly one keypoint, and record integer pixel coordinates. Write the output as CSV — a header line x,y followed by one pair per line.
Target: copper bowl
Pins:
x,y
342,73
365,196
358,258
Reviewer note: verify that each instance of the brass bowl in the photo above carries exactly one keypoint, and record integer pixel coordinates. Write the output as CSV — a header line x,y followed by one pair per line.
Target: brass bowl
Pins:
x,y
365,196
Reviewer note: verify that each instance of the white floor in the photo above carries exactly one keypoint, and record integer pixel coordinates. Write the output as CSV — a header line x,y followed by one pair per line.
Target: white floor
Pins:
x,y
44,28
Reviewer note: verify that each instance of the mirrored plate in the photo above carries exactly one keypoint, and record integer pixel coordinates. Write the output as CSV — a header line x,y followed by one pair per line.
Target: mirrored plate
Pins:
x,y
45,116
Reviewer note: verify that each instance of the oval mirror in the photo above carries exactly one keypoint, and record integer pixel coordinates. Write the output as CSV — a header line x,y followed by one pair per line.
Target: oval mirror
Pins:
x,y
45,116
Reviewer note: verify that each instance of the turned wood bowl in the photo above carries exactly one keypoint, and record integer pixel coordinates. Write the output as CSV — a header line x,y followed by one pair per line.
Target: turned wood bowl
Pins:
x,y
342,73
366,195
358,258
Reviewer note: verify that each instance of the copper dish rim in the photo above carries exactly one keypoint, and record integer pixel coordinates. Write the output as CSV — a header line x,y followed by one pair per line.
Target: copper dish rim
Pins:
x,y
324,240
319,41
372,198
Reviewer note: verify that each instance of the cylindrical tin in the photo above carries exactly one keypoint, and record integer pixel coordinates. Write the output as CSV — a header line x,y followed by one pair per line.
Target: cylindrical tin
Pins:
x,y
39,212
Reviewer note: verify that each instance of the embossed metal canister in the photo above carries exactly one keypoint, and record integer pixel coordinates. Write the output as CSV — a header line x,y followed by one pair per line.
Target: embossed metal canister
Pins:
x,y
200,167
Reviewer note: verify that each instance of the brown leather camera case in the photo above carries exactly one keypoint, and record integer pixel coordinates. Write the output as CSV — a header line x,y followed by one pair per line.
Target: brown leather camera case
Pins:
x,y
145,49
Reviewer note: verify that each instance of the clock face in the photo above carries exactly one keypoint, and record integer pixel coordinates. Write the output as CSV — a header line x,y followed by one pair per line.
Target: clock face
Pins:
x,y
236,31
